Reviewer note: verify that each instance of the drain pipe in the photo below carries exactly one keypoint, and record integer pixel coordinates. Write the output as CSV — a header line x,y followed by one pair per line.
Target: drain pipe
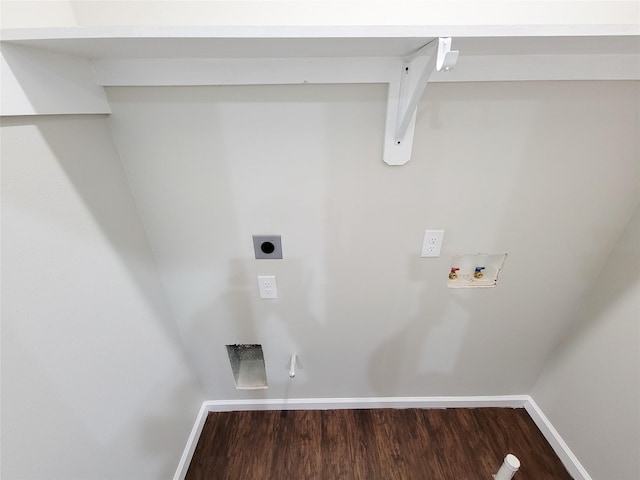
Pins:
x,y
292,365
508,469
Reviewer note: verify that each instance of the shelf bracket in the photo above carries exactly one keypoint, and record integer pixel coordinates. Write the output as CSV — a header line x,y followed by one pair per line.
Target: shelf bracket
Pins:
x,y
38,82
405,93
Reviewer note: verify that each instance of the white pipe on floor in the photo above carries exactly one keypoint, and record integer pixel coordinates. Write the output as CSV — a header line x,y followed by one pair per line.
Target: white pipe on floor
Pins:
x,y
508,469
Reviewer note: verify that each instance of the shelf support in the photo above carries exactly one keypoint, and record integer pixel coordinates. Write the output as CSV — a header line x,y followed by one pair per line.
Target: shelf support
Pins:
x,y
405,93
38,82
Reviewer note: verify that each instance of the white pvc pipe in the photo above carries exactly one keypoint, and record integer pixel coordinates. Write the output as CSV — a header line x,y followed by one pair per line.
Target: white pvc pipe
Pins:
x,y
508,469
292,365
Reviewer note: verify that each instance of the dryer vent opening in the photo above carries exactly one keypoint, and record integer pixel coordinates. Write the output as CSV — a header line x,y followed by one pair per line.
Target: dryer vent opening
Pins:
x,y
247,366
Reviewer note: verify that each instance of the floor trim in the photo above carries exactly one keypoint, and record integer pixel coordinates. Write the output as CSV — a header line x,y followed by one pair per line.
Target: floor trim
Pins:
x,y
569,460
510,401
192,441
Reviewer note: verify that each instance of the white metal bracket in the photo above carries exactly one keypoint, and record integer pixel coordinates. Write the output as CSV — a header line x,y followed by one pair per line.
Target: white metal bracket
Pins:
x,y
405,93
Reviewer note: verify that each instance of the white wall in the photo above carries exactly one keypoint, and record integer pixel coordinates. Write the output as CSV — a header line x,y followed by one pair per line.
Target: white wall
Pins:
x,y
523,168
350,12
577,15
590,386
94,379
35,14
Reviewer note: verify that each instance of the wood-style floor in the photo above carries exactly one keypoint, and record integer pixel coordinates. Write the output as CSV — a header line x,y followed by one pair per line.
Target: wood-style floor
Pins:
x,y
389,444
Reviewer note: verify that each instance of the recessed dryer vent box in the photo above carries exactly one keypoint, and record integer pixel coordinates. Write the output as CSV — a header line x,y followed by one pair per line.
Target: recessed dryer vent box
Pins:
x,y
267,246
477,270
247,365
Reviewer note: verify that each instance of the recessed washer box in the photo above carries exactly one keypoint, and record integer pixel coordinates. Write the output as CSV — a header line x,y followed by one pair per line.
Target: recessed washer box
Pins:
x,y
465,266
267,246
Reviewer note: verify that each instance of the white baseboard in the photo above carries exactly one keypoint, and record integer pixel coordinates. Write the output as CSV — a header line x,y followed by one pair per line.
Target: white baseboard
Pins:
x,y
508,401
569,460
366,402
192,441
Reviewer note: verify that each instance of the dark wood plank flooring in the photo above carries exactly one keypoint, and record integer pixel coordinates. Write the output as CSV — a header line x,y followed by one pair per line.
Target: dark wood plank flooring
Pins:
x,y
389,444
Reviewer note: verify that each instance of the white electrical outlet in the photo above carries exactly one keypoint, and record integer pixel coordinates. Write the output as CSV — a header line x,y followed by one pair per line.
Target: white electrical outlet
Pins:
x,y
267,286
432,243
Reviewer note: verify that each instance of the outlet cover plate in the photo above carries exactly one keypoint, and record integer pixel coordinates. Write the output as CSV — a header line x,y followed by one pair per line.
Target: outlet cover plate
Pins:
x,y
267,286
432,243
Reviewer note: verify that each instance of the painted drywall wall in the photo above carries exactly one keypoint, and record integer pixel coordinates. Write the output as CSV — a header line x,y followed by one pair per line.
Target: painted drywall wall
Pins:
x,y
64,13
590,386
379,12
544,171
35,14
94,380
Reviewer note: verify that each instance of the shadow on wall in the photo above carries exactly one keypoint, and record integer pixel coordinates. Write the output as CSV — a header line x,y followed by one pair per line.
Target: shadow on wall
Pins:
x,y
530,164
101,182
621,274
281,326
428,345
158,435
229,319
392,326
563,186
107,353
